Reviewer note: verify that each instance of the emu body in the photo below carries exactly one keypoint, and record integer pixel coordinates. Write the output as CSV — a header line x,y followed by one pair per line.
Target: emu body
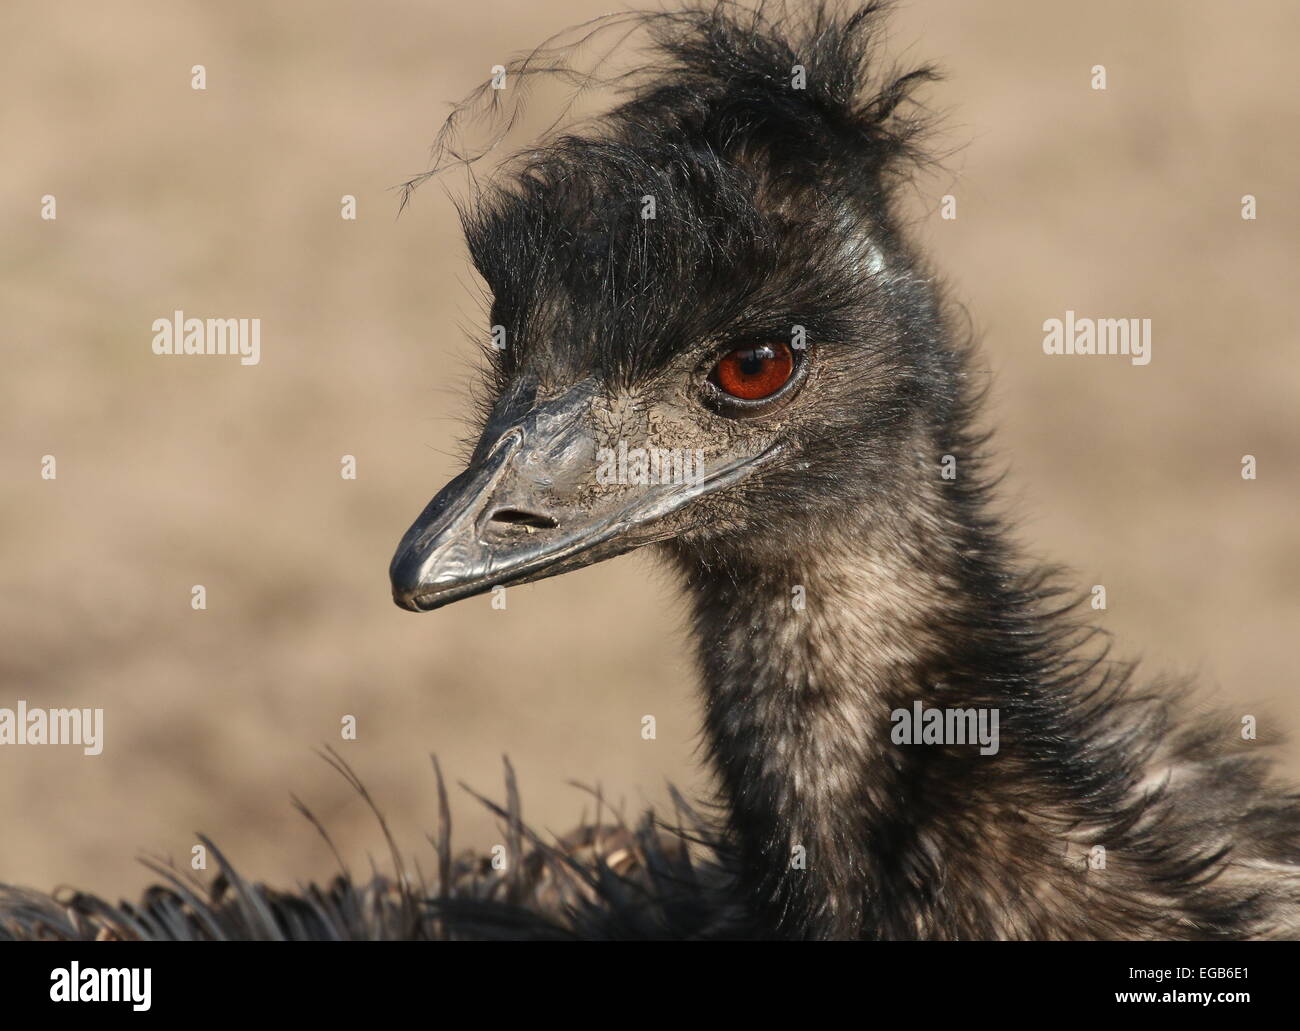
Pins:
x,y
774,222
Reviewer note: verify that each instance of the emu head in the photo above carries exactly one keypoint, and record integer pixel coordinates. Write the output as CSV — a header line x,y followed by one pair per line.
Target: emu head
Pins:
x,y
707,328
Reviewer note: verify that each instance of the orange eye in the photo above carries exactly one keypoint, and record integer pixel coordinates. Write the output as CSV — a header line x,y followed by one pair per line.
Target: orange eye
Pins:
x,y
753,373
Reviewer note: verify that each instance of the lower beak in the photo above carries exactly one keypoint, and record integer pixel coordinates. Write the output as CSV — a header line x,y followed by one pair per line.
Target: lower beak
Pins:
x,y
491,526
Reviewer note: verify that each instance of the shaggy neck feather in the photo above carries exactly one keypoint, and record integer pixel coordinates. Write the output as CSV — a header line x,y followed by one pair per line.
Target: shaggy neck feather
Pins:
x,y
840,831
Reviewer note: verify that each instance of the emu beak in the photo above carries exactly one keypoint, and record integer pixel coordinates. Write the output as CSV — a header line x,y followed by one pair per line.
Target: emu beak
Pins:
x,y
525,509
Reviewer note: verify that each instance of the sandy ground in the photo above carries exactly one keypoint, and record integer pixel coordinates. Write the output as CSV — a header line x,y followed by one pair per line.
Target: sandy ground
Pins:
x,y
176,472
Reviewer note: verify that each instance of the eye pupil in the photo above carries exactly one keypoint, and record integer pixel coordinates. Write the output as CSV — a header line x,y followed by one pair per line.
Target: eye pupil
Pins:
x,y
754,373
753,360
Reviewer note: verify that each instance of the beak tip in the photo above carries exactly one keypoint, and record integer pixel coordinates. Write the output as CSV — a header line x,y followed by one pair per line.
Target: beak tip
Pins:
x,y
404,575
405,600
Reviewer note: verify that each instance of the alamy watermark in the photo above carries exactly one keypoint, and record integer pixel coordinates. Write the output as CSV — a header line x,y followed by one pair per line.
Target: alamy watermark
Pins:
x,y
649,466
179,335
75,983
24,726
1073,335
920,725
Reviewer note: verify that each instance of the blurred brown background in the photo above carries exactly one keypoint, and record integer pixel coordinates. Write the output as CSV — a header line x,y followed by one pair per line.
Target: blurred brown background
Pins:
x,y
225,203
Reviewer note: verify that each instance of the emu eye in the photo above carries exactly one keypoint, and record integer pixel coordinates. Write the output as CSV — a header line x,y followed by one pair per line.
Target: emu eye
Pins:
x,y
754,373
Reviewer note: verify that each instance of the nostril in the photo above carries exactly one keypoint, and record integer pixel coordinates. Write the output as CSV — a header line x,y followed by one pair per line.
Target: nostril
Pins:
x,y
518,517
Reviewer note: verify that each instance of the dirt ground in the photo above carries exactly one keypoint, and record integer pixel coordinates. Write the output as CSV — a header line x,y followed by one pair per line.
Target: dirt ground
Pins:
x,y
225,202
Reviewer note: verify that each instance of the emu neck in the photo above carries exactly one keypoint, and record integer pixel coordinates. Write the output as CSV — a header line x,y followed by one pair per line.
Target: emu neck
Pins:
x,y
837,826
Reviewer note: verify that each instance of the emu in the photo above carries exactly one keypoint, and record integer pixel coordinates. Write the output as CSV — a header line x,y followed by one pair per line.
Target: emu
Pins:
x,y
772,316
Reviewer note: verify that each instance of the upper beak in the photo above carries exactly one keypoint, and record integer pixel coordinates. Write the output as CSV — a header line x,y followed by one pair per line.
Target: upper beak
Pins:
x,y
527,508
